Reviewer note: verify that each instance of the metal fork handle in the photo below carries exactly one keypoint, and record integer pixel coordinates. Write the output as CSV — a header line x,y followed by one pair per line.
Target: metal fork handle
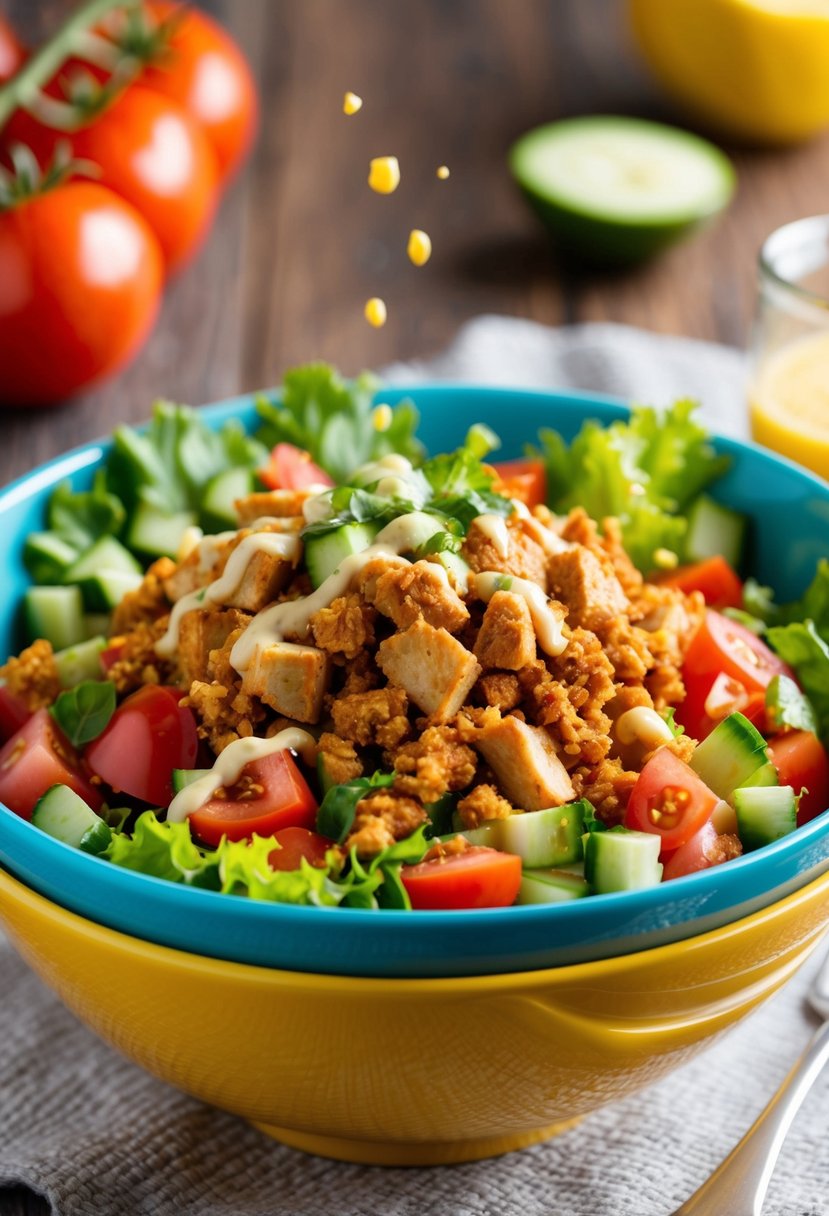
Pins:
x,y
739,1185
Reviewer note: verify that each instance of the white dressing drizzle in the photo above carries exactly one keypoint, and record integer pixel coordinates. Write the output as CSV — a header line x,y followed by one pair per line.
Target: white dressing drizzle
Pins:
x,y
190,540
277,544
550,541
546,623
229,765
496,531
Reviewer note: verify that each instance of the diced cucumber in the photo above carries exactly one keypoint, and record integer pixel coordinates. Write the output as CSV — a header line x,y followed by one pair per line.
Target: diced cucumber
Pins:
x,y
107,553
551,887
733,751
420,527
106,588
56,614
81,662
61,813
47,557
621,860
158,533
714,530
220,494
183,777
764,814
766,774
455,566
323,554
550,837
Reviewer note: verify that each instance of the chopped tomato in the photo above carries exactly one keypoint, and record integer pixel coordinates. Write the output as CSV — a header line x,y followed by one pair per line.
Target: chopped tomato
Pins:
x,y
37,757
296,845
713,577
270,794
698,853
13,713
801,762
670,800
478,878
291,468
146,738
721,646
111,655
525,480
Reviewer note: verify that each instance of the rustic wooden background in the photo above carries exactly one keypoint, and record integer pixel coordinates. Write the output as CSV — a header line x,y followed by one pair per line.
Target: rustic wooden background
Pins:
x,y
301,242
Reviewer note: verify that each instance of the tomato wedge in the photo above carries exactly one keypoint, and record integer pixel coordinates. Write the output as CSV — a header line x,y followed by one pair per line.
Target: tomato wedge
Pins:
x,y
525,480
698,853
146,738
291,468
296,845
801,762
717,581
270,794
37,757
478,878
13,713
670,800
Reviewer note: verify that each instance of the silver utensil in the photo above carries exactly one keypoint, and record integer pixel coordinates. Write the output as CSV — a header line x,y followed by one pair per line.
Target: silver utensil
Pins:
x,y
739,1185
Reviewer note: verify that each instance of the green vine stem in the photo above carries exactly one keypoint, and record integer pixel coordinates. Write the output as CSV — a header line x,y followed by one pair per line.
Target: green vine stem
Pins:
x,y
24,91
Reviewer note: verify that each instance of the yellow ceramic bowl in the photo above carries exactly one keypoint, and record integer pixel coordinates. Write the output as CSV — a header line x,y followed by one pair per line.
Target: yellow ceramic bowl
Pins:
x,y
412,1071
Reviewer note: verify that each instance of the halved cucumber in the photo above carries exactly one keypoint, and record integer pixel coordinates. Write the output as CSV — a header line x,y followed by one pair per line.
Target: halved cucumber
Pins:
x,y
56,614
621,860
731,754
105,589
551,887
764,814
714,530
615,189
158,533
550,837
220,494
323,554
61,813
106,553
47,556
81,662
183,777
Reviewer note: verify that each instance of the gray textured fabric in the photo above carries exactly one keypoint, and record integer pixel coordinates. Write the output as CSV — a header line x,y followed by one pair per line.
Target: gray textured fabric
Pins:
x,y
97,1136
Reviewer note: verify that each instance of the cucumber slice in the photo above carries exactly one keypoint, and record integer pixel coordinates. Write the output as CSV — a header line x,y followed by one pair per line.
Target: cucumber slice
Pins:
x,y
47,557
158,533
81,662
107,588
764,814
61,813
551,887
714,530
107,553
56,614
730,755
454,565
766,774
186,776
323,554
615,190
219,500
550,837
620,860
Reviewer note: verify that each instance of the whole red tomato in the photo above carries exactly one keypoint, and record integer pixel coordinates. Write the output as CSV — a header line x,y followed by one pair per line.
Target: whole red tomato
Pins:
x,y
206,73
80,283
12,52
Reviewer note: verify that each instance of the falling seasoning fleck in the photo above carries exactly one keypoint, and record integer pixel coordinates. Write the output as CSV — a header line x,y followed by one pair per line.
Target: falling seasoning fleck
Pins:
x,y
384,174
352,103
375,312
443,172
419,247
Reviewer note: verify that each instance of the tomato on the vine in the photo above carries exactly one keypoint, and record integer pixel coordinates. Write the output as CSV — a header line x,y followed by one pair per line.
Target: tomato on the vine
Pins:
x,y
80,284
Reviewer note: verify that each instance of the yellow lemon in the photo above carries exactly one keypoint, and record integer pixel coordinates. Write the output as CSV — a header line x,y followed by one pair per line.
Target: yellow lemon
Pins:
x,y
790,402
755,69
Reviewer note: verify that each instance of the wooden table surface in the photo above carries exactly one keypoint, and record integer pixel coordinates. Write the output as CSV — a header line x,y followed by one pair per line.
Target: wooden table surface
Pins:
x,y
300,242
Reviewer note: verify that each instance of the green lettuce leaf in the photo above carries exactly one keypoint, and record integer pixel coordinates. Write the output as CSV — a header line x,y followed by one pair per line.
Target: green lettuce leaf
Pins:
x,y
82,517
786,706
339,806
164,850
801,646
84,711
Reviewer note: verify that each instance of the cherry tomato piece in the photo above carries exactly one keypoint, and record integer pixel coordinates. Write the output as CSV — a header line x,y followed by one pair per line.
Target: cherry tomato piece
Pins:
x,y
670,800
80,284
146,738
478,878
270,794
291,468
13,713
698,853
204,71
37,757
801,762
12,51
718,583
525,480
296,845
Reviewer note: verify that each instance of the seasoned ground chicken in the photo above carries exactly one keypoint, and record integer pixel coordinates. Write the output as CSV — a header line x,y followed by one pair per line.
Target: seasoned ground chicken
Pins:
x,y
482,803
436,762
338,758
382,819
501,689
33,675
420,591
607,786
137,663
280,503
375,717
346,627
506,638
525,557
149,600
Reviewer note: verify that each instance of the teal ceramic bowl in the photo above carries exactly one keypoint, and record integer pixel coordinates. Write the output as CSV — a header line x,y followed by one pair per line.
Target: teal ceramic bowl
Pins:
x,y
790,510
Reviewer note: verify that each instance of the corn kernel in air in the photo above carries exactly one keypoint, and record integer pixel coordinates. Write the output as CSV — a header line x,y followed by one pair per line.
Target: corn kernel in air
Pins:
x,y
384,174
419,248
375,312
382,417
352,103
665,559
443,172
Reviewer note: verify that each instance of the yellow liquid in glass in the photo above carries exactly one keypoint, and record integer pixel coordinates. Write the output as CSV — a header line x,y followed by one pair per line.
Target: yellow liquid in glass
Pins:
x,y
790,402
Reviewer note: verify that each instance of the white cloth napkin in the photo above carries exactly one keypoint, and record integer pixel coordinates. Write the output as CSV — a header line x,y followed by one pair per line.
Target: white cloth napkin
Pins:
x,y
99,1137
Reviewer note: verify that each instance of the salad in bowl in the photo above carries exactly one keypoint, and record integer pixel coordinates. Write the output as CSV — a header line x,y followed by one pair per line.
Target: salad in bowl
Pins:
x,y
320,666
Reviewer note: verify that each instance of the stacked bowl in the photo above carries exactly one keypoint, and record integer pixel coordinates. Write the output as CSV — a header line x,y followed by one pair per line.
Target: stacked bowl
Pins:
x,y
406,1038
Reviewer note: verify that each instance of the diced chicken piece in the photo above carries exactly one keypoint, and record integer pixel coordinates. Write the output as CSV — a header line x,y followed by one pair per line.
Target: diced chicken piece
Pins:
x,y
345,627
194,572
435,670
524,558
507,637
291,679
420,591
592,594
525,762
203,630
280,503
266,574
377,716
